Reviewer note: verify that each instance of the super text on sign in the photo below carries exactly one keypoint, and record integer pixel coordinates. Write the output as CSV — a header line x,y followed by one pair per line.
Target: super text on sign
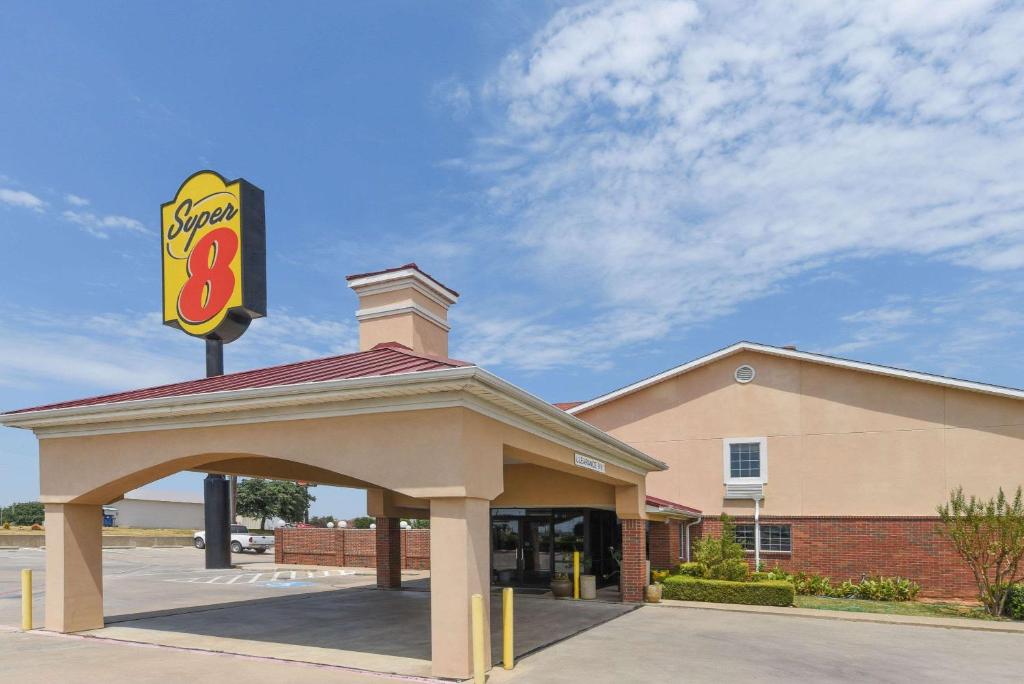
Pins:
x,y
213,239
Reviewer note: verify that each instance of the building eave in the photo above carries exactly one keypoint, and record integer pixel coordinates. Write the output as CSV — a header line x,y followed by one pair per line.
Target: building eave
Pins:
x,y
469,386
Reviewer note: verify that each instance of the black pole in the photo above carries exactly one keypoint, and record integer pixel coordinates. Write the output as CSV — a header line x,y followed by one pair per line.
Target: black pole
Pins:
x,y
218,532
214,358
216,492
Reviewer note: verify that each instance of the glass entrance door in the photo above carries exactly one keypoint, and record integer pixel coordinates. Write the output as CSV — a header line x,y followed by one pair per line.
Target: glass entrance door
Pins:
x,y
535,555
505,552
521,548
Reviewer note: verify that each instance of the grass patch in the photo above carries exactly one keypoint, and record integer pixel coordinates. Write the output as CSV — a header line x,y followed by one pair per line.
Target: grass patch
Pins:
x,y
913,608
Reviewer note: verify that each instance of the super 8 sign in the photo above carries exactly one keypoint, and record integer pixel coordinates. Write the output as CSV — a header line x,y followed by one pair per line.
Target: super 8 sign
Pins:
x,y
213,239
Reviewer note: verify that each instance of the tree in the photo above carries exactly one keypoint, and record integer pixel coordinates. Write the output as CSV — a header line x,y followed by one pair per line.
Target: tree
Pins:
x,y
256,500
989,535
25,513
722,557
419,523
292,500
259,498
363,522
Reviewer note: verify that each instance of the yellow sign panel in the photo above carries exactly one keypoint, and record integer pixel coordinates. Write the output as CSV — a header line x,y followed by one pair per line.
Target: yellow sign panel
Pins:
x,y
214,257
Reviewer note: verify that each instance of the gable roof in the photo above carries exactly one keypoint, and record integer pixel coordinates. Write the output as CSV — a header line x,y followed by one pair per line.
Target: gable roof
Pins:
x,y
798,355
389,358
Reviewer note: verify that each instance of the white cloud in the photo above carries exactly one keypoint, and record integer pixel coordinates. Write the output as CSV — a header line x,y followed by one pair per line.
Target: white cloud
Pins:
x,y
20,198
965,333
116,351
452,95
676,159
102,226
76,201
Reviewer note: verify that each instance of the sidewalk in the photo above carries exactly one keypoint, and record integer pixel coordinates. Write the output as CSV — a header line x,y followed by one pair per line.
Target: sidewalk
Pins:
x,y
850,616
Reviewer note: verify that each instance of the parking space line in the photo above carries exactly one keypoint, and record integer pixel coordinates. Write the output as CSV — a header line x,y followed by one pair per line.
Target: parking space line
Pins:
x,y
255,577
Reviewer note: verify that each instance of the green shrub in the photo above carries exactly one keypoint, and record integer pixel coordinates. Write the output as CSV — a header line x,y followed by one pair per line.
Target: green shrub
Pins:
x,y
1015,602
871,588
689,569
722,557
887,589
760,576
770,593
659,576
811,585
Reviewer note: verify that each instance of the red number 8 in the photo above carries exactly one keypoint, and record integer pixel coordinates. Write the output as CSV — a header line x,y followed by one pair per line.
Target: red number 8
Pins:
x,y
210,279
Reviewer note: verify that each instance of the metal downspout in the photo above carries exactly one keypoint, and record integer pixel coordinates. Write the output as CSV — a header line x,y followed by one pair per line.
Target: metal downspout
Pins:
x,y
699,519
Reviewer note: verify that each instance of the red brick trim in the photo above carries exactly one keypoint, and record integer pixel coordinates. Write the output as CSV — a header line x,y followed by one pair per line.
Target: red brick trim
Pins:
x,y
344,547
852,547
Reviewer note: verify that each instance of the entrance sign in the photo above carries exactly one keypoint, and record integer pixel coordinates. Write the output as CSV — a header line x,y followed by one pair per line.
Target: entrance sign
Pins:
x,y
589,463
213,243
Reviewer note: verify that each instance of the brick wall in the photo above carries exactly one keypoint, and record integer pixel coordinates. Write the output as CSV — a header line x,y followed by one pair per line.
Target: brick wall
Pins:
x,y
389,553
634,560
851,547
663,543
346,547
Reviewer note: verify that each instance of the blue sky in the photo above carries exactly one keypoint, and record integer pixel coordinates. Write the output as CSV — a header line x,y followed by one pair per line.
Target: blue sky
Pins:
x,y
615,187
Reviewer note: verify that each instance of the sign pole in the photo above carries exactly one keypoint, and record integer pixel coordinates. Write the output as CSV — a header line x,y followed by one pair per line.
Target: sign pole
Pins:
x,y
214,358
217,499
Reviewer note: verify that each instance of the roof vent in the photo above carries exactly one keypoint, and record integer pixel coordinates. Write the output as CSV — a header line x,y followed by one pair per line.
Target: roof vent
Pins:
x,y
744,374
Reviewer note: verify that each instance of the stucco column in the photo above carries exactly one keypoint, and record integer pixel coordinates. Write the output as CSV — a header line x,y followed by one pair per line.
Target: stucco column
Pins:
x,y
459,567
389,553
74,567
634,560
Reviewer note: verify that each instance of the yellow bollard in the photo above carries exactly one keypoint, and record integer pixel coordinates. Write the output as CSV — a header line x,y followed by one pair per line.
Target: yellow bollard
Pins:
x,y
478,639
26,600
507,621
575,574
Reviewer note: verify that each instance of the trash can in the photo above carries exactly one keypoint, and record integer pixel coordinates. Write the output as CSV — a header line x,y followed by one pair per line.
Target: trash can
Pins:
x,y
588,587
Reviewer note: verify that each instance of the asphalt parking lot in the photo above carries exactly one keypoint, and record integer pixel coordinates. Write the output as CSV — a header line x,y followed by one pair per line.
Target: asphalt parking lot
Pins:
x,y
640,645
144,580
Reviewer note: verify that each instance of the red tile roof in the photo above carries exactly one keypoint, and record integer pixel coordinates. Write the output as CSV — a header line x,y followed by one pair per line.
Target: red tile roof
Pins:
x,y
389,358
411,264
665,503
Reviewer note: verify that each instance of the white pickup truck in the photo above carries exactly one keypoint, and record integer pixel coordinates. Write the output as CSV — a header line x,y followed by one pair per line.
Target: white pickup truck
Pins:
x,y
241,540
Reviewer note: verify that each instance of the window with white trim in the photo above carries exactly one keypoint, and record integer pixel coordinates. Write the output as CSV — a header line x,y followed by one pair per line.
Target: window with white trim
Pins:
x,y
745,459
773,537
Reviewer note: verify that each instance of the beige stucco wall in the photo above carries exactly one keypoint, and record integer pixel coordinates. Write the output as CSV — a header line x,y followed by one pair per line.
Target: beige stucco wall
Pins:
x,y
159,514
409,329
840,442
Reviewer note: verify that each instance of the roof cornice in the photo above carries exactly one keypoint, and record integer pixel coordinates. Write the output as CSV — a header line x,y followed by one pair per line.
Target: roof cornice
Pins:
x,y
798,355
467,386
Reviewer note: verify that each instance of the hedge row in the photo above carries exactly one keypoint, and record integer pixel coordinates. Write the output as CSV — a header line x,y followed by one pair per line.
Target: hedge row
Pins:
x,y
768,593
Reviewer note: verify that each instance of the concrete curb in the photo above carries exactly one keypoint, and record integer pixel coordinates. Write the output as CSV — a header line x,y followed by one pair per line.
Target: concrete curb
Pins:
x,y
850,616
38,541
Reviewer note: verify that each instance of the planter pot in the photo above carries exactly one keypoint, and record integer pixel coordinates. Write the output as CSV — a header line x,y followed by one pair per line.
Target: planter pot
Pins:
x,y
653,593
561,588
588,587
